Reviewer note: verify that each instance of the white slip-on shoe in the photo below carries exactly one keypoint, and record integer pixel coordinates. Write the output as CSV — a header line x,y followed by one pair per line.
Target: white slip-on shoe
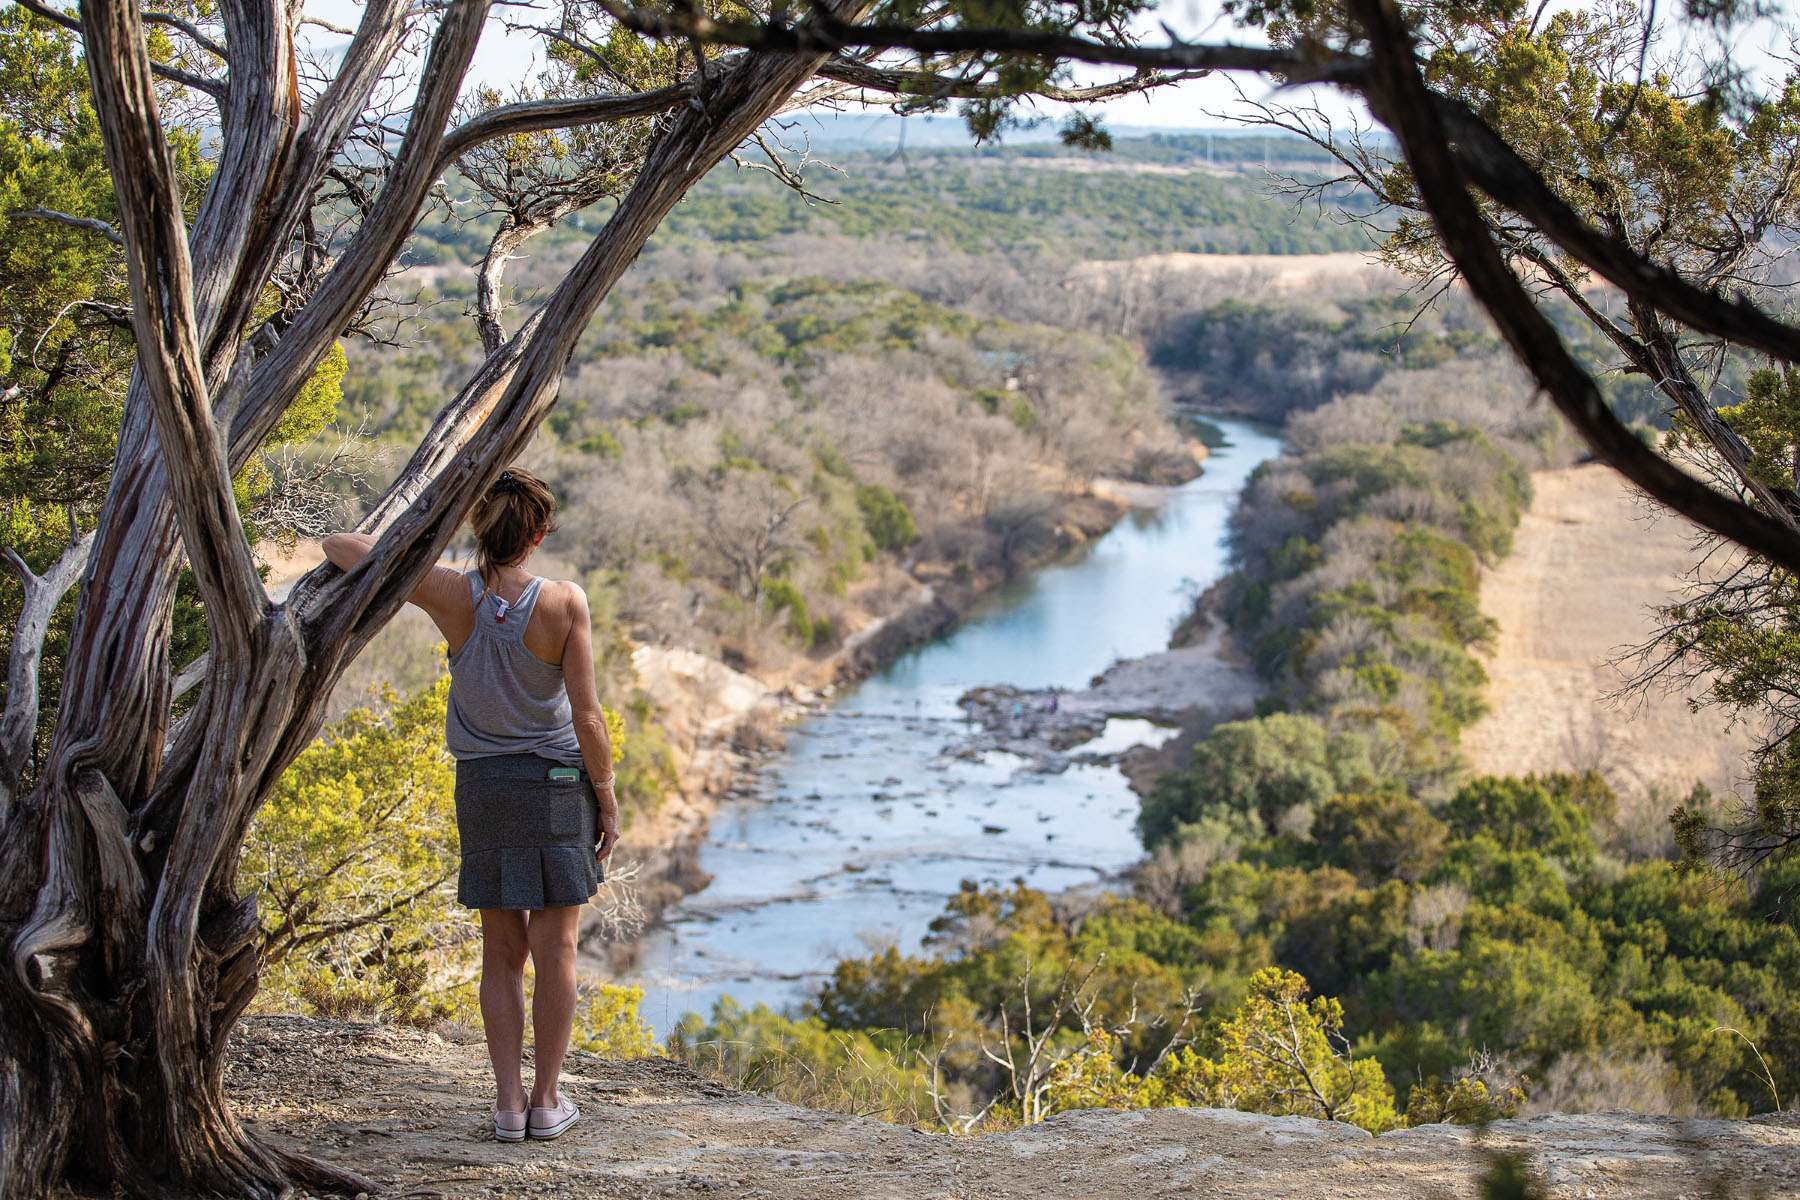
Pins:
x,y
546,1123
509,1126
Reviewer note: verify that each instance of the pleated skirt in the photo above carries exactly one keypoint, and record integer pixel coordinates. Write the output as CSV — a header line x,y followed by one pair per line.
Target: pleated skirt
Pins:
x,y
527,840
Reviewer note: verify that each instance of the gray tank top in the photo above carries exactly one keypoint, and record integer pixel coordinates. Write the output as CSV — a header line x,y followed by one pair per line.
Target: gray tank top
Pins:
x,y
503,698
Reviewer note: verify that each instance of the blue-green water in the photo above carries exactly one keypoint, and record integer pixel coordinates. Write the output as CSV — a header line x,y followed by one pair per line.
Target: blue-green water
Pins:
x,y
857,834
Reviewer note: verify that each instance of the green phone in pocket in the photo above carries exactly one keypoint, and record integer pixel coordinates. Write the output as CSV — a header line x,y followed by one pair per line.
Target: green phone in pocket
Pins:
x,y
564,773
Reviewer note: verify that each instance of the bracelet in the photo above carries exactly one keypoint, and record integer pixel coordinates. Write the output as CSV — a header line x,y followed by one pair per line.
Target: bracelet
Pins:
x,y
600,783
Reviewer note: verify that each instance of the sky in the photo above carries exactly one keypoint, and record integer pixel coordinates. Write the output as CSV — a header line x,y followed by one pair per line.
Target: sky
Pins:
x,y
505,59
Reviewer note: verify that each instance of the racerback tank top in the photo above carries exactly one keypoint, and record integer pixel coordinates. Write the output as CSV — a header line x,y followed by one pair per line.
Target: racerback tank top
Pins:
x,y
503,698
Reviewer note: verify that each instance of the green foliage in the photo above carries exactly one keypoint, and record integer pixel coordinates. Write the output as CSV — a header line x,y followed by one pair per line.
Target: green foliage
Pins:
x,y
779,595
885,516
1379,835
607,1022
1255,775
1283,1055
1465,1101
1271,359
805,1062
1277,1054
1769,420
1526,814
317,404
353,859
69,362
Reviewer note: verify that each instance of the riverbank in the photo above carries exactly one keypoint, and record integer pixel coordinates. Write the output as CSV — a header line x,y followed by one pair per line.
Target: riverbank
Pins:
x,y
877,811
722,724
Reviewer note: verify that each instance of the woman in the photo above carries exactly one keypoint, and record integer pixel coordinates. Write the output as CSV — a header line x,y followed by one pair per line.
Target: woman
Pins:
x,y
532,758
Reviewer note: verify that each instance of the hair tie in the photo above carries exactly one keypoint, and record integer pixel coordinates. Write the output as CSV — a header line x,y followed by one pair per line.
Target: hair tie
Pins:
x,y
506,482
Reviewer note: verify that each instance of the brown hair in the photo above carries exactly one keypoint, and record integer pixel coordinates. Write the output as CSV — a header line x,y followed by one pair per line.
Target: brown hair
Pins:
x,y
509,518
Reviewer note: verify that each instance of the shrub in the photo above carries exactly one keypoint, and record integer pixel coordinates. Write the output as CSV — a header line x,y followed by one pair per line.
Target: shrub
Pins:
x,y
352,861
1379,835
1277,1054
1522,814
885,515
1270,769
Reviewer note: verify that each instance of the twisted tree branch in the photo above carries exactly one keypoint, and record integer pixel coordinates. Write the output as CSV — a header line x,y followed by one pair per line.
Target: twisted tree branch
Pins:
x,y
534,116
1403,103
162,317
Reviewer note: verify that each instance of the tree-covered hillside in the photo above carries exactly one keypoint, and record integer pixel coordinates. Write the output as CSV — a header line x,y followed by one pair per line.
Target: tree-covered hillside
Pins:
x,y
1148,196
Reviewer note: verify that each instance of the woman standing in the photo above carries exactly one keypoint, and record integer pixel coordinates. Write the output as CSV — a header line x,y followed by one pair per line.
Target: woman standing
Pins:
x,y
533,774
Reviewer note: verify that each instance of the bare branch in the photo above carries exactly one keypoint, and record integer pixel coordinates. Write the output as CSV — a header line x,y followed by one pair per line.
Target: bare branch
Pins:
x,y
927,84
18,723
327,25
88,223
534,116
822,32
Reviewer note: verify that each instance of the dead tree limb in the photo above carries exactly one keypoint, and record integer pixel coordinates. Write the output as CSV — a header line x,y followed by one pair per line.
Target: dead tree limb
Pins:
x,y
19,721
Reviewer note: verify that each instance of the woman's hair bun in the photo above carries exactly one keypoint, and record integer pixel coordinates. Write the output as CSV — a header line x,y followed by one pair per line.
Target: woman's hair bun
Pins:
x,y
508,520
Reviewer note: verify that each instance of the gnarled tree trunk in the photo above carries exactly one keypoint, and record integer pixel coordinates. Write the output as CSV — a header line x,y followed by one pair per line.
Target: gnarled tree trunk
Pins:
x,y
128,953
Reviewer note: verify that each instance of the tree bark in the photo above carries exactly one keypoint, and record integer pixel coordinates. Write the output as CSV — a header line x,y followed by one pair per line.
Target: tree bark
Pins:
x,y
129,955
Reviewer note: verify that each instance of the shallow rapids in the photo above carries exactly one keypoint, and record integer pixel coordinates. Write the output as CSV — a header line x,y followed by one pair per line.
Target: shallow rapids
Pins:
x,y
857,833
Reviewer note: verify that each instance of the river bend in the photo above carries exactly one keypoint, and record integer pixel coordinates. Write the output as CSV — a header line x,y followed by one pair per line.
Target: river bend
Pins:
x,y
861,829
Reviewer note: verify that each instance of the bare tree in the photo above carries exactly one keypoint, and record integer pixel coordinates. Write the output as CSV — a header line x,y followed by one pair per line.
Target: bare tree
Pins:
x,y
746,521
128,954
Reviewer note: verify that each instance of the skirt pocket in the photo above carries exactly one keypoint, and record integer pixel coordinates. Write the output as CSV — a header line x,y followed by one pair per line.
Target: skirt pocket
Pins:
x,y
563,805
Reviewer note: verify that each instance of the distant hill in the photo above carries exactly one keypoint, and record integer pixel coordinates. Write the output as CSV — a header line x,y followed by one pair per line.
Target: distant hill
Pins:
x,y
1203,192
885,133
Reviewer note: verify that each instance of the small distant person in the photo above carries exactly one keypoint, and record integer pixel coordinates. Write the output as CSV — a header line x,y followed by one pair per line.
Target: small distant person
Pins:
x,y
533,780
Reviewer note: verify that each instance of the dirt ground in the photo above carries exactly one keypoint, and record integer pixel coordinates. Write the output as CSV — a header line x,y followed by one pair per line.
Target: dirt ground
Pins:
x,y
1591,561
408,1110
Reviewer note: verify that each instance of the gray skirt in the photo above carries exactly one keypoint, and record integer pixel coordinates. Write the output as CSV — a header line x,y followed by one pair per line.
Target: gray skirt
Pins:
x,y
527,841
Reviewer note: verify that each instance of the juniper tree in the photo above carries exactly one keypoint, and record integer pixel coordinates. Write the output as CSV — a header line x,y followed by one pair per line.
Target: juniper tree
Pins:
x,y
219,275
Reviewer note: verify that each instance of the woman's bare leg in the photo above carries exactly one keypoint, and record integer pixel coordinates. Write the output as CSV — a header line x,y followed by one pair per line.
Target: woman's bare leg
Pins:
x,y
504,945
551,933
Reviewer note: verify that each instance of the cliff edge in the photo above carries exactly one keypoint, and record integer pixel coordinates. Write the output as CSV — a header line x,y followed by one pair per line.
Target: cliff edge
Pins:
x,y
408,1110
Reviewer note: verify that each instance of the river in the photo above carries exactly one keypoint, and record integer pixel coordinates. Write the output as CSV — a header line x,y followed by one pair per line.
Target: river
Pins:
x,y
859,831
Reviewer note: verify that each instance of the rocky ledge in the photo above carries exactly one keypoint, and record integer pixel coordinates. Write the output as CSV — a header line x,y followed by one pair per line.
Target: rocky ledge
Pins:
x,y
409,1110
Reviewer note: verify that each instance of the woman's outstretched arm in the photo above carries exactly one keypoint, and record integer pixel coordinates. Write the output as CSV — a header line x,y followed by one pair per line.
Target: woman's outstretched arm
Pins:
x,y
443,593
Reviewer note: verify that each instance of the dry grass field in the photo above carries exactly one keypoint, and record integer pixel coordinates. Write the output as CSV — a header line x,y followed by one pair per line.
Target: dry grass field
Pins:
x,y
1249,277
1591,561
